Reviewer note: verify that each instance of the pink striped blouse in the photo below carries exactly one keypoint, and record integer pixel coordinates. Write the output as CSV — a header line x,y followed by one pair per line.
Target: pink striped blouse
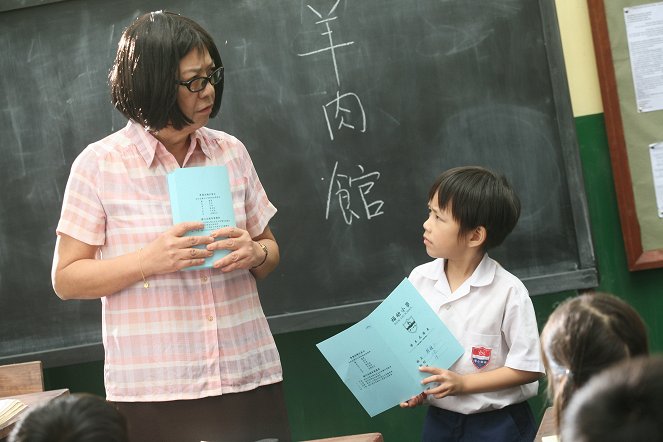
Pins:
x,y
191,334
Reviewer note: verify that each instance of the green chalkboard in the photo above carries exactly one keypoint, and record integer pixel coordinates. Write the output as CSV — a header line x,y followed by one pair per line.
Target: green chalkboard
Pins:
x,y
350,109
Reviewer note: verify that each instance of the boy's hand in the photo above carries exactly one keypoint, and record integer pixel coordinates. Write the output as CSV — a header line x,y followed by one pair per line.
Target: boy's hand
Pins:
x,y
413,402
449,383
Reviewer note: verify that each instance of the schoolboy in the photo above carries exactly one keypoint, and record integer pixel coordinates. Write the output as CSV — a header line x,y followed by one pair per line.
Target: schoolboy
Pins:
x,y
483,396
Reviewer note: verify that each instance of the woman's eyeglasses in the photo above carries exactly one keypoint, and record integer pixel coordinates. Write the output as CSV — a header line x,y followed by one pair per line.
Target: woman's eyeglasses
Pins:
x,y
199,83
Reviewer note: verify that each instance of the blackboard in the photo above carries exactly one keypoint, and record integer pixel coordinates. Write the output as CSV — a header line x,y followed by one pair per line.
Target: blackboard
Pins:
x,y
350,109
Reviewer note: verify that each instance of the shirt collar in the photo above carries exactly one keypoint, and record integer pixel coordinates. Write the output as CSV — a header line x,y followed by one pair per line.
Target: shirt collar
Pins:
x,y
482,275
143,140
147,144
202,139
434,270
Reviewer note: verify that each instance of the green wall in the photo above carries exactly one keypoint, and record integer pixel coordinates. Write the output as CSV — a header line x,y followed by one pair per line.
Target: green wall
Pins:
x,y
319,405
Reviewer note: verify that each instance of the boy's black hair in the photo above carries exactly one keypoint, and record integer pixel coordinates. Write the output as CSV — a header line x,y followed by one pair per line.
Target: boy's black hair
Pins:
x,y
144,76
622,403
478,197
78,417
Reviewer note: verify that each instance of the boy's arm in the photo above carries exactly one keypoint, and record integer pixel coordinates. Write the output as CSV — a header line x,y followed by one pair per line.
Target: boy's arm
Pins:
x,y
454,384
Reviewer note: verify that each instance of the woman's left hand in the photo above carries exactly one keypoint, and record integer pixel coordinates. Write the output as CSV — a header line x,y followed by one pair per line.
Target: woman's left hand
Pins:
x,y
449,383
244,251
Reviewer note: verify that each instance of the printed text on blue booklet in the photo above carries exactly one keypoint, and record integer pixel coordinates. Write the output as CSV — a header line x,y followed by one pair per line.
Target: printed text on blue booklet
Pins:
x,y
379,357
202,194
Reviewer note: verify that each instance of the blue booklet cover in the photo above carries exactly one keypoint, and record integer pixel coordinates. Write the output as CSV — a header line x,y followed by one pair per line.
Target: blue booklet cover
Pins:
x,y
379,357
202,194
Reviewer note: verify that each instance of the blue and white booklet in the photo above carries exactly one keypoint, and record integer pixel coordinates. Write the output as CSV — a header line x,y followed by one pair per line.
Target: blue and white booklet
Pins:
x,y
202,194
379,357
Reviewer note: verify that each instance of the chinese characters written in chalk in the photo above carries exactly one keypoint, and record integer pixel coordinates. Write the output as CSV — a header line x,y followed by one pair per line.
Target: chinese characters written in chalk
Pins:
x,y
344,111
338,111
341,186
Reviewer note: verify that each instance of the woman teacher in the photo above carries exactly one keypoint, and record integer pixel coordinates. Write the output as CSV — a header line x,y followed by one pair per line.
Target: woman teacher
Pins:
x,y
188,354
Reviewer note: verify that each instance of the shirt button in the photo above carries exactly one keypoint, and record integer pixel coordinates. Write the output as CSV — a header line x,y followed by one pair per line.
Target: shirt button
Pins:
x,y
204,279
447,307
210,318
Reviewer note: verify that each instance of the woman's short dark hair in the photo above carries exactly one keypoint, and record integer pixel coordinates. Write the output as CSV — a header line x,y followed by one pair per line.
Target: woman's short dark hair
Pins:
x,y
478,197
144,76
585,335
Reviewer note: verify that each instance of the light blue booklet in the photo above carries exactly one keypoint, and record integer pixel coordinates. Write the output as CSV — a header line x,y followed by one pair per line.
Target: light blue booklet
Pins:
x,y
202,194
379,357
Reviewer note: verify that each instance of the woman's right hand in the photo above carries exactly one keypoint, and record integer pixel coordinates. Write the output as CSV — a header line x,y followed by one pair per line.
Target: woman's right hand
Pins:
x,y
173,251
78,273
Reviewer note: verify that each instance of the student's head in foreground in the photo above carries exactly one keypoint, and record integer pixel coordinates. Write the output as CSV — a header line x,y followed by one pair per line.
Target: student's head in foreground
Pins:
x,y
585,335
620,404
72,418
470,204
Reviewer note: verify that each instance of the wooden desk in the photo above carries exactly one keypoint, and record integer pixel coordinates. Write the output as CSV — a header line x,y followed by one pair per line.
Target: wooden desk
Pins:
x,y
31,400
547,427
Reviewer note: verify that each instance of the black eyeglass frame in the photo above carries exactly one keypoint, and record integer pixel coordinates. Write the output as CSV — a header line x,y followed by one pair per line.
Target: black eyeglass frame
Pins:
x,y
207,79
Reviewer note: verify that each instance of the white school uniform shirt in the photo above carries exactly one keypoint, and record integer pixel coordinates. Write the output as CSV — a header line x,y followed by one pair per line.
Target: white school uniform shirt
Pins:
x,y
492,316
